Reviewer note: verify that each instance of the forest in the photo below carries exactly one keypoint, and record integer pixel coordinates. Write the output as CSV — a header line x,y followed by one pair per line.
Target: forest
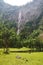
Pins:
x,y
31,36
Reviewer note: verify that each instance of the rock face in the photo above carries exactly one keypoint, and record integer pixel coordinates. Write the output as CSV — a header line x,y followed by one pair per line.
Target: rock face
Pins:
x,y
29,12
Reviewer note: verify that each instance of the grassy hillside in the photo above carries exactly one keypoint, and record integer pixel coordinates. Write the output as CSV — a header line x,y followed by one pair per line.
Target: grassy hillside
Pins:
x,y
21,58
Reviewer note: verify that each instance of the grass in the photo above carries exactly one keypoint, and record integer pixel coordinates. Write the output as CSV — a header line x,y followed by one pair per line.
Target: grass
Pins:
x,y
19,49
21,58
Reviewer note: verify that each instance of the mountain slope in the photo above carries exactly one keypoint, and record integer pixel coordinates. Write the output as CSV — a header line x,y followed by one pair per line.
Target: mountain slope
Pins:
x,y
29,12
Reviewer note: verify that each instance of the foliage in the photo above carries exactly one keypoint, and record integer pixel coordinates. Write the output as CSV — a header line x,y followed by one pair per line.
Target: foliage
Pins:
x,y
28,37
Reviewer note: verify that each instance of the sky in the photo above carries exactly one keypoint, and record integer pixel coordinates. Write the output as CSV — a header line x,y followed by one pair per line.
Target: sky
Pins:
x,y
17,2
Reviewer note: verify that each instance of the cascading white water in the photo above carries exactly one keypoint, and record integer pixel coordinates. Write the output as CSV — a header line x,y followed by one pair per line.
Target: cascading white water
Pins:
x,y
19,21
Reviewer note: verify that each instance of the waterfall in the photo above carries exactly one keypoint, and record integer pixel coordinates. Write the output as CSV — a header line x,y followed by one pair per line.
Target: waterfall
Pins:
x,y
19,21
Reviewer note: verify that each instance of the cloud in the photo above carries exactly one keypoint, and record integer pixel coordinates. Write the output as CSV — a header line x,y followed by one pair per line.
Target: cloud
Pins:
x,y
17,2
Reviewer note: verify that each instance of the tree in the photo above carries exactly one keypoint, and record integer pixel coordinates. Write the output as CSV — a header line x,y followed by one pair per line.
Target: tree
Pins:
x,y
5,37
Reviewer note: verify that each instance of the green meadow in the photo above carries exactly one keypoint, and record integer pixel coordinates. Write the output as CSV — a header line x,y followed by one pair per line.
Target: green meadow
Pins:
x,y
35,58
